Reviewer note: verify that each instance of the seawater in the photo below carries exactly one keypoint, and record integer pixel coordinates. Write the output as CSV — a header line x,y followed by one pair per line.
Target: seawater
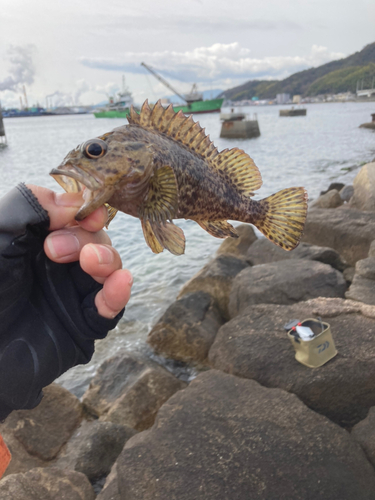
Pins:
x,y
326,145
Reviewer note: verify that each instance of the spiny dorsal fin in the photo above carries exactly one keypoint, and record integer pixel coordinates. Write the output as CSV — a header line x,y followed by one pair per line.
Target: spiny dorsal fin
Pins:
x,y
234,165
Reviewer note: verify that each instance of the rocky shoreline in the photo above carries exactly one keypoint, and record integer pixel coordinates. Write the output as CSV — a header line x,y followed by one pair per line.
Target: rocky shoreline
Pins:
x,y
254,423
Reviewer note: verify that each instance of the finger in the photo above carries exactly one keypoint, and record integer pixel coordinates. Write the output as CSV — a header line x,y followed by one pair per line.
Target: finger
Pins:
x,y
62,208
65,245
115,293
100,261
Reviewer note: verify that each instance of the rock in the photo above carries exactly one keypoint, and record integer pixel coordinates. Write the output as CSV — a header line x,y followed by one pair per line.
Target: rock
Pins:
x,y
238,246
348,231
138,406
21,461
284,282
346,193
363,285
334,185
93,448
254,345
46,484
187,329
264,251
129,390
110,490
216,278
45,429
371,252
364,189
364,433
230,438
332,199
348,274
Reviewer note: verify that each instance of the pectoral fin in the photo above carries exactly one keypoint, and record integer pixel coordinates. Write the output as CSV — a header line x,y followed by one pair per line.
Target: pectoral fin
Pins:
x,y
219,228
160,235
161,202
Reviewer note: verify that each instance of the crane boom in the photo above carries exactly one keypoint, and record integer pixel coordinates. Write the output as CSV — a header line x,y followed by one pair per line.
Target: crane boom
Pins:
x,y
164,82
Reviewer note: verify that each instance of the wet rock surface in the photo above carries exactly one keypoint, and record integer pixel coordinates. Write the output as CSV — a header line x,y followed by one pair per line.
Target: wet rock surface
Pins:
x,y
227,437
255,345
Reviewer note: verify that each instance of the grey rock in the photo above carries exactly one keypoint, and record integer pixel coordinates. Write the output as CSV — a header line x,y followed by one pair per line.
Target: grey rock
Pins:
x,y
284,282
46,484
264,251
363,285
110,490
332,199
43,430
255,345
364,189
187,329
346,193
348,274
94,447
230,438
348,231
364,433
216,278
238,246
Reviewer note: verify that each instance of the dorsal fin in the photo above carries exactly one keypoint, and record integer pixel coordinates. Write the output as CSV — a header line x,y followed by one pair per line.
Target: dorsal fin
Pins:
x,y
234,165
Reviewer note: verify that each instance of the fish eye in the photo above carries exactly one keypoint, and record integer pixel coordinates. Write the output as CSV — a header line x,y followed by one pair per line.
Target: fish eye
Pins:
x,y
94,149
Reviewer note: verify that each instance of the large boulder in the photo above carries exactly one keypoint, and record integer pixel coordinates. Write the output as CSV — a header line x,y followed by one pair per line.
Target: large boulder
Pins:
x,y
216,278
187,329
264,251
284,282
363,285
238,246
129,389
46,484
93,448
348,231
230,438
364,189
255,345
43,430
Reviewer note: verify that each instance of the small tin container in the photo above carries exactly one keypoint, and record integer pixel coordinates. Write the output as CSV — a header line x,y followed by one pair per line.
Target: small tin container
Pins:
x,y
317,351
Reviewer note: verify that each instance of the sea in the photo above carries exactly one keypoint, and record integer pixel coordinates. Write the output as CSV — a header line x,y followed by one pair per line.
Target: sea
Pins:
x,y
324,146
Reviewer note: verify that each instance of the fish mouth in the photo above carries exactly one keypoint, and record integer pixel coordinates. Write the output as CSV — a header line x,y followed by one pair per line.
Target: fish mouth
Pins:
x,y
74,180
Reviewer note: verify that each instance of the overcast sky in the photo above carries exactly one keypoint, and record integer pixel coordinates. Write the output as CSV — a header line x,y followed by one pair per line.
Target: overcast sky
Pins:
x,y
78,50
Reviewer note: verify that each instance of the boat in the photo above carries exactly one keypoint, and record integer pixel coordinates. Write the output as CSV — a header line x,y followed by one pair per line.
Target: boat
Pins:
x,y
194,100
293,112
21,113
119,108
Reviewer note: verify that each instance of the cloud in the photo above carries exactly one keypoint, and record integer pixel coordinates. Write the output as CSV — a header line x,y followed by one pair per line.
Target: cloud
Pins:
x,y
214,63
22,70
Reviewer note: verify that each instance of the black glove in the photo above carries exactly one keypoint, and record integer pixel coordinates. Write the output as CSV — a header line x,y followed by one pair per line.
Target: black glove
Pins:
x,y
48,318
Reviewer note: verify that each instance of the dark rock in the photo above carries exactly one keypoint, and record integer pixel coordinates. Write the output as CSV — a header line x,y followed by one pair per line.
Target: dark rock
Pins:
x,y
363,285
46,484
129,390
110,490
348,231
364,189
216,278
284,282
332,199
364,433
94,447
334,185
264,251
230,438
238,246
187,329
45,429
346,193
254,345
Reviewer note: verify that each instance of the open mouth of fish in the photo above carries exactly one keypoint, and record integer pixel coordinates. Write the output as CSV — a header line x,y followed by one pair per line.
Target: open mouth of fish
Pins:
x,y
74,180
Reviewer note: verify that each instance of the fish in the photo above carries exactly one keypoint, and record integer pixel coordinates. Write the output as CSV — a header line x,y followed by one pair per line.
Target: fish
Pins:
x,y
163,166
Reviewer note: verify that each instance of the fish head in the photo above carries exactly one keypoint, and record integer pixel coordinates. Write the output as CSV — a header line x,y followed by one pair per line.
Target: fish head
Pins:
x,y
100,166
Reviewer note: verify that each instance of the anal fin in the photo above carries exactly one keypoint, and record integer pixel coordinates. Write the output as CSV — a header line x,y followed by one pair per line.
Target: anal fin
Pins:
x,y
160,235
150,237
219,228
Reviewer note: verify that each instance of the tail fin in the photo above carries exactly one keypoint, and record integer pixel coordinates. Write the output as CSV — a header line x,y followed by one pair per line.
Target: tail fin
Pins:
x,y
285,217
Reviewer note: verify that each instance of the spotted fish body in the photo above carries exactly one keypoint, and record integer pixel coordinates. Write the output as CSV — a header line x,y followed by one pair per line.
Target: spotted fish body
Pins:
x,y
162,166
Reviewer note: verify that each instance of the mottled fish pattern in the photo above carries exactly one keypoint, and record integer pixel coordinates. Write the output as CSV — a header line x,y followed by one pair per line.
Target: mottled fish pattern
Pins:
x,y
162,166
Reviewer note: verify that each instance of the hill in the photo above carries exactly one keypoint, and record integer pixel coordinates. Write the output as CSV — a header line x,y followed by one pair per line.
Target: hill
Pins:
x,y
330,78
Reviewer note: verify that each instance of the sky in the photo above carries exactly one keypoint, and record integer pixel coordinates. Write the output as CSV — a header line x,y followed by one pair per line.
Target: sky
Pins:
x,y
77,51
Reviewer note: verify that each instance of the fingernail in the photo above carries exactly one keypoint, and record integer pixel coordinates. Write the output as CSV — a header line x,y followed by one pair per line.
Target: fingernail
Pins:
x,y
62,244
105,255
69,199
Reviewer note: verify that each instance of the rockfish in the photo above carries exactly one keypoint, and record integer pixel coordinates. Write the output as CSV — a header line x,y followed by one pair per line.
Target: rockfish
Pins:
x,y
162,166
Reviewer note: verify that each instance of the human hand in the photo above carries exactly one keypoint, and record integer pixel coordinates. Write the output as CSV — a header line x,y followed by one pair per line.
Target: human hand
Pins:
x,y
85,241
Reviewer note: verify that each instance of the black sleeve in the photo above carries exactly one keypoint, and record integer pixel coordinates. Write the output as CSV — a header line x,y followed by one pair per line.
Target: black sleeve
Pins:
x,y
48,319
